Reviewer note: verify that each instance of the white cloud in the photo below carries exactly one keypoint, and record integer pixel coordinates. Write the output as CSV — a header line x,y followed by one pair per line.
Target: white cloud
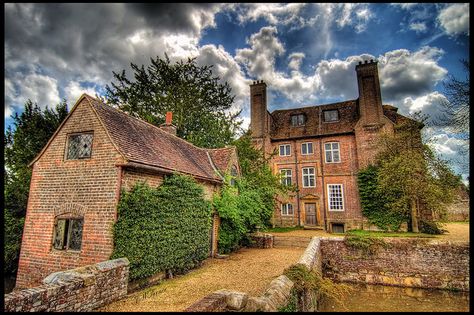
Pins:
x,y
455,18
419,27
429,104
295,61
74,90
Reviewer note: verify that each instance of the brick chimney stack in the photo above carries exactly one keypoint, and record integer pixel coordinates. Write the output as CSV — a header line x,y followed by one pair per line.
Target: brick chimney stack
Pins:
x,y
370,98
168,126
258,109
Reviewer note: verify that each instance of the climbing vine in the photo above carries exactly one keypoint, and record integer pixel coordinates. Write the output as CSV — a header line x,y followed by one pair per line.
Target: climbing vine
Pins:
x,y
163,229
374,202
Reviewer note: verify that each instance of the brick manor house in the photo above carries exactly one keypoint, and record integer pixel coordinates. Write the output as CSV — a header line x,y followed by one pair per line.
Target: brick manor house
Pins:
x,y
77,178
320,149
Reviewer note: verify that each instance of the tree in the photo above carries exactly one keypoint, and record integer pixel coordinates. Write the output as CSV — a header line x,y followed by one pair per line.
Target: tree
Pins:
x,y
200,104
411,176
455,110
31,131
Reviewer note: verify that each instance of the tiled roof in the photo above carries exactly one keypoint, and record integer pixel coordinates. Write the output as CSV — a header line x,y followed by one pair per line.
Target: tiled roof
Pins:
x,y
147,144
221,157
315,125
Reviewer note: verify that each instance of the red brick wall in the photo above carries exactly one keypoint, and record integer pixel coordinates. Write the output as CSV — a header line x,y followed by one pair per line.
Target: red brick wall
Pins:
x,y
86,186
131,177
344,173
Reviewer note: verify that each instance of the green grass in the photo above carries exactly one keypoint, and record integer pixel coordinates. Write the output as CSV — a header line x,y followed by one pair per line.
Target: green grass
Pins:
x,y
283,229
457,222
387,234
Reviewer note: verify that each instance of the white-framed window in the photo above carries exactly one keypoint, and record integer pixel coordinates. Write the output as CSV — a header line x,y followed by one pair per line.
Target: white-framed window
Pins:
x,y
309,179
331,115
307,148
285,150
335,197
286,209
332,152
298,120
286,176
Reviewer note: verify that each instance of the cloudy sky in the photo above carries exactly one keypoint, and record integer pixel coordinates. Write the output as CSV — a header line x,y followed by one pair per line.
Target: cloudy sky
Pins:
x,y
305,52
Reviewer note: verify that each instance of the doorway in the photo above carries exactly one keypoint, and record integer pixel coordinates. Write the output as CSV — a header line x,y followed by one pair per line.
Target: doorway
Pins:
x,y
310,214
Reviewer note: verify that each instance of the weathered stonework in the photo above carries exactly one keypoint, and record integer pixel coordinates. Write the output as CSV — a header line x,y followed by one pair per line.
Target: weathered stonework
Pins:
x,y
77,290
262,240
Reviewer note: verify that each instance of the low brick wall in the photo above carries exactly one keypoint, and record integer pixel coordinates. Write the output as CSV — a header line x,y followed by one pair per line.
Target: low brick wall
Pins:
x,y
405,262
80,289
261,240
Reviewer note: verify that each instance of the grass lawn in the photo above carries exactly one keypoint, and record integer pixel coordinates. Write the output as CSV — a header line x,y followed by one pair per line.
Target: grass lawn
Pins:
x,y
387,234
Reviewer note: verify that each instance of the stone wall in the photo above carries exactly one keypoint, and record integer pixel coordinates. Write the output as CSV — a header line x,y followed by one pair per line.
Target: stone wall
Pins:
x,y
411,262
80,289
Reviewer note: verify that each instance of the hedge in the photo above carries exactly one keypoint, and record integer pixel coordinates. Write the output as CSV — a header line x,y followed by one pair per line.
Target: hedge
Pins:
x,y
163,229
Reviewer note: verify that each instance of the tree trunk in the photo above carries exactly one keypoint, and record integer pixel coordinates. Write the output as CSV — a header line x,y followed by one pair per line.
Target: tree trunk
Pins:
x,y
414,219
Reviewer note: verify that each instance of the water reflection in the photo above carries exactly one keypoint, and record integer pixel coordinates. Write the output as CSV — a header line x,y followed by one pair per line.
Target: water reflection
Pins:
x,y
378,298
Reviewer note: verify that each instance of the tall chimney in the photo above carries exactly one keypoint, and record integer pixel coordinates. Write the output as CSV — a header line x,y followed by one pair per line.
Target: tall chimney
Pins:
x,y
168,126
370,99
258,109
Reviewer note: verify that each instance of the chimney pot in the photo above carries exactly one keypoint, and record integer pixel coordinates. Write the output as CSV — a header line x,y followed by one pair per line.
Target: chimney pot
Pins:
x,y
360,62
169,118
365,61
371,60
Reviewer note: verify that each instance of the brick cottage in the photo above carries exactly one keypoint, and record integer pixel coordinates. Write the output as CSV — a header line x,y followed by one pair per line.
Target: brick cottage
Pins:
x,y
77,178
320,149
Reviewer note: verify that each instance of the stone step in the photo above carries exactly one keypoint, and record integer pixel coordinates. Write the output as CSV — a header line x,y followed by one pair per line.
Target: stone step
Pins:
x,y
312,227
291,241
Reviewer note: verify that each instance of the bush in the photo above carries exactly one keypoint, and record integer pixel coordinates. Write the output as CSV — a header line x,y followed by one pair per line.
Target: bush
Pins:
x,y
13,232
430,227
163,229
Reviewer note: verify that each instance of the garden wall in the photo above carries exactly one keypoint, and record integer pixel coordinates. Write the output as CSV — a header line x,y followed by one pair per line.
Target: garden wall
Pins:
x,y
80,289
409,262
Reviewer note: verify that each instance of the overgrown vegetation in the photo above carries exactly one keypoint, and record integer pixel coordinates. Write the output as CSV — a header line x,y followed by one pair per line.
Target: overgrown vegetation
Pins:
x,y
164,229
30,132
406,180
367,245
386,234
311,283
250,203
431,227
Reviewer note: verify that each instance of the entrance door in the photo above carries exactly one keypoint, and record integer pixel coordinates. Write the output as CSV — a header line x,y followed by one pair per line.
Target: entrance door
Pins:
x,y
310,211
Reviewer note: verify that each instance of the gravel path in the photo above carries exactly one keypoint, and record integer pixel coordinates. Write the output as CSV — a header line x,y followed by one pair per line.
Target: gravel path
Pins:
x,y
249,270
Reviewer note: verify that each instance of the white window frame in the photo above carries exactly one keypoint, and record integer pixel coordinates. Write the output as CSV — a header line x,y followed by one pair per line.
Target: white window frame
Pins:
x,y
332,152
309,176
284,145
306,143
329,197
285,206
290,176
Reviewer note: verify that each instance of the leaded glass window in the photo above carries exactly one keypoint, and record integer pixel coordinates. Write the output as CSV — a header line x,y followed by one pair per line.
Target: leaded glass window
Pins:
x,y
68,234
79,146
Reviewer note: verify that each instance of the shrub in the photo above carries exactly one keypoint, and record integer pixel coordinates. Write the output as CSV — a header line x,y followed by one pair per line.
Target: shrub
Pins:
x,y
368,245
163,229
13,232
430,227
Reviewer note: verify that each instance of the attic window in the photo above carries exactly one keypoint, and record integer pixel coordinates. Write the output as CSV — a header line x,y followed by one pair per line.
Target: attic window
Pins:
x,y
298,120
331,115
79,146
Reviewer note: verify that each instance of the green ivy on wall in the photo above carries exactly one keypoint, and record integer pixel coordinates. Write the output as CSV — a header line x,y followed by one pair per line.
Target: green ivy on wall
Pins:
x,y
163,229
374,201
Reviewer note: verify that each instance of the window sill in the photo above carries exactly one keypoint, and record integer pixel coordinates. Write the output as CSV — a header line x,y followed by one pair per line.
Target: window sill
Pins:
x,y
337,210
66,251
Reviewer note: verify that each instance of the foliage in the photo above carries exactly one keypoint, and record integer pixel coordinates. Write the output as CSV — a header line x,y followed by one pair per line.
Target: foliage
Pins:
x,y
308,281
13,232
200,104
283,229
292,305
410,176
163,229
374,201
368,245
430,227
250,204
30,132
386,234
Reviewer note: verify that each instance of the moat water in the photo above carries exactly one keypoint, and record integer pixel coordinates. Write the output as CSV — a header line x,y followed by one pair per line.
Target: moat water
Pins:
x,y
378,298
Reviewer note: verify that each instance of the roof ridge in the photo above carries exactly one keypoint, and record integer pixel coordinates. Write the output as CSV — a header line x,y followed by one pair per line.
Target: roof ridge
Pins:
x,y
311,106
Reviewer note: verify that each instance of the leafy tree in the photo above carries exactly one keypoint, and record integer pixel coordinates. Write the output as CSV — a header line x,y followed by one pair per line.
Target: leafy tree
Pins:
x,y
200,104
411,176
31,131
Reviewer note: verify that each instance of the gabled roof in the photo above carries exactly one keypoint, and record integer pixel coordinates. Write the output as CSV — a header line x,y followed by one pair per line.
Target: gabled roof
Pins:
x,y
221,157
142,143
315,125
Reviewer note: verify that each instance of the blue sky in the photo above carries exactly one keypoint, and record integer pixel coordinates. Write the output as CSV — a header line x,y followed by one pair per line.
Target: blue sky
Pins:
x,y
305,52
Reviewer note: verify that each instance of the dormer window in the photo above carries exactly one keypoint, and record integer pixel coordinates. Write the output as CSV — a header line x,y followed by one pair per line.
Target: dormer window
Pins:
x,y
331,115
79,146
298,120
